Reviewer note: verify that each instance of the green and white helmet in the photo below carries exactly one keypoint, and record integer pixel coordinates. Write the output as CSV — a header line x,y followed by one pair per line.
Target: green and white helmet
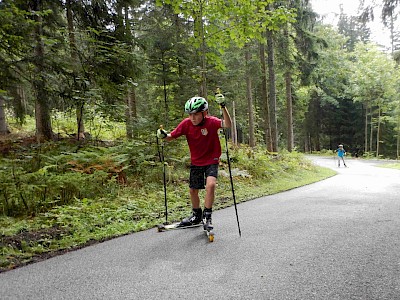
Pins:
x,y
196,104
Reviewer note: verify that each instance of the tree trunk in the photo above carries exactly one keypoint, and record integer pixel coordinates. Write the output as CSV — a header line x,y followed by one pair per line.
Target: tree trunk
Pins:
x,y
234,125
130,112
249,95
393,36
371,134
366,129
164,71
74,63
378,130
264,98
200,24
288,84
289,111
19,104
42,109
272,91
307,143
130,108
398,136
79,120
3,121
128,116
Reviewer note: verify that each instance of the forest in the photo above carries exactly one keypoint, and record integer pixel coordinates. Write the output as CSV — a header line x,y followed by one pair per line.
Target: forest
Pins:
x,y
291,82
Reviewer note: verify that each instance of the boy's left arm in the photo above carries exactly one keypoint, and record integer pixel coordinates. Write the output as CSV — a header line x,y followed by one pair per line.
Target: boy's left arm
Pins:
x,y
227,121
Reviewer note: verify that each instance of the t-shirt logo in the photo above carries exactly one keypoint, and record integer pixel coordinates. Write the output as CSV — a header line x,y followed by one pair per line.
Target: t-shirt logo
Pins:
x,y
204,131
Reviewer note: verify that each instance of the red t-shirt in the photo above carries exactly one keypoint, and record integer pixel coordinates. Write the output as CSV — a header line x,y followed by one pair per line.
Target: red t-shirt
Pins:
x,y
203,141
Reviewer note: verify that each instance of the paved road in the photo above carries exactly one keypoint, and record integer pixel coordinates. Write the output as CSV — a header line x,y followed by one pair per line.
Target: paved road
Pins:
x,y
336,239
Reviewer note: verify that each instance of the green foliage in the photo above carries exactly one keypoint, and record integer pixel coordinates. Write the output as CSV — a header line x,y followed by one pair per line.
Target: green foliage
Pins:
x,y
27,192
374,83
221,23
262,165
369,155
52,174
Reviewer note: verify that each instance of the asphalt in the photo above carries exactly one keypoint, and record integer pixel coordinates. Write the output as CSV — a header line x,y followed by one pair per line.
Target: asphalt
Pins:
x,y
335,239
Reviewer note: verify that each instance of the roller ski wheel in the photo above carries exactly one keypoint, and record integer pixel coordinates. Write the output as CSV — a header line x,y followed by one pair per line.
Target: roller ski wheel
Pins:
x,y
208,228
210,236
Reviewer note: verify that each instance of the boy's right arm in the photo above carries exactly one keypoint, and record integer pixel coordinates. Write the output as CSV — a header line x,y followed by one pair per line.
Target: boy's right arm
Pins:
x,y
162,134
176,133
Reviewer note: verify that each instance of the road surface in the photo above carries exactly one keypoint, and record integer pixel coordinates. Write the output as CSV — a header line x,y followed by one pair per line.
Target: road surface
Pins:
x,y
335,239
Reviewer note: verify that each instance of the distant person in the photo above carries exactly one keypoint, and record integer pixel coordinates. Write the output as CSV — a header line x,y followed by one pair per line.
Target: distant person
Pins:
x,y
341,153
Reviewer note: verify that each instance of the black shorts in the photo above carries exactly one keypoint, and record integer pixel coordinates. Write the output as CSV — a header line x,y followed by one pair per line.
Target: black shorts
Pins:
x,y
198,175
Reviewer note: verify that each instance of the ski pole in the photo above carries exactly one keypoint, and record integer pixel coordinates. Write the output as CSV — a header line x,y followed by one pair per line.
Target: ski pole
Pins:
x,y
161,156
232,187
230,172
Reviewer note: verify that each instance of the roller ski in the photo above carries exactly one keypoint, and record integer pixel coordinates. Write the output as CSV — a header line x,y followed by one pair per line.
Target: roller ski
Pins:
x,y
173,226
195,220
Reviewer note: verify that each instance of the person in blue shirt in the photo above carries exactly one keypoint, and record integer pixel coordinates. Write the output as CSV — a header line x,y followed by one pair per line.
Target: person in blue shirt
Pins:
x,y
341,153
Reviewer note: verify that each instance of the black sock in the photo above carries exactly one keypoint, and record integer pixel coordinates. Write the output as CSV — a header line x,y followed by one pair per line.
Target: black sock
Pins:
x,y
197,211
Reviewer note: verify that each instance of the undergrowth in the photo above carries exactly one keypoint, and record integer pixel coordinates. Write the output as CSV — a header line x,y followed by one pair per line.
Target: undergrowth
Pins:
x,y
57,196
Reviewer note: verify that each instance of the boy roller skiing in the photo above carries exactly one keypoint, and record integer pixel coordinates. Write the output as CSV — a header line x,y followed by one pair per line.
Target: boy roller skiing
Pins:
x,y
201,132
341,153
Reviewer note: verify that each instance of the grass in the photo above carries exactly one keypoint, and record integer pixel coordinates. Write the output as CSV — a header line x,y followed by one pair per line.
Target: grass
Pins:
x,y
391,166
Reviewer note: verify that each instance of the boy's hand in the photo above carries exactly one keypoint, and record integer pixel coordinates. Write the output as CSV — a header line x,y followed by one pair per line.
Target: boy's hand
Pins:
x,y
161,133
220,99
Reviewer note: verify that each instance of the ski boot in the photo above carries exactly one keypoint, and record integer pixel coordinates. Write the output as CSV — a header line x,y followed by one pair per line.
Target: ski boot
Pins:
x,y
207,224
192,221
